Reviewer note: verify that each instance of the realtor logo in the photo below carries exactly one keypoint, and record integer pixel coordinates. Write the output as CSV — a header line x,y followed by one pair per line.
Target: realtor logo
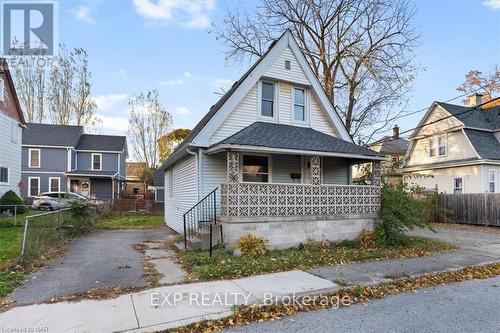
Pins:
x,y
28,27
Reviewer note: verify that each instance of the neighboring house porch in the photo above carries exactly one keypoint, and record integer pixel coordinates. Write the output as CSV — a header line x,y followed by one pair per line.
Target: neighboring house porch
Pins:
x,y
103,185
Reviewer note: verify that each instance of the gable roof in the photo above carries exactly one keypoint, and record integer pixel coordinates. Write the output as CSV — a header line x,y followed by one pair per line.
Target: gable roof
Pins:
x,y
390,145
485,144
484,118
280,136
286,39
51,135
101,142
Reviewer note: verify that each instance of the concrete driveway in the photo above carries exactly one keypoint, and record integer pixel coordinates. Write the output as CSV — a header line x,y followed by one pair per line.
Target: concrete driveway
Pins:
x,y
101,259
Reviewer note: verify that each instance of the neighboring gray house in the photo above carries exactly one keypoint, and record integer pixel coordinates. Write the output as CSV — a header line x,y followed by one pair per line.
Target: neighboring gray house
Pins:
x,y
273,158
63,158
11,124
159,185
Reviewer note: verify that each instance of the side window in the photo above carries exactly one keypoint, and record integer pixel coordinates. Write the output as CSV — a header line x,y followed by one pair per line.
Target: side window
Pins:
x,y
4,175
432,147
458,185
299,104
34,158
33,186
441,145
96,161
267,100
492,180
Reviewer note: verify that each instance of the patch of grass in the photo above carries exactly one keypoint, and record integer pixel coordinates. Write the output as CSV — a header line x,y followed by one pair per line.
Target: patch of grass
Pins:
x,y
9,280
145,221
10,240
223,265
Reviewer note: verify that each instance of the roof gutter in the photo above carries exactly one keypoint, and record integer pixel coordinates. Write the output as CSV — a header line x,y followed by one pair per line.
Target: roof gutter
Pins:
x,y
223,147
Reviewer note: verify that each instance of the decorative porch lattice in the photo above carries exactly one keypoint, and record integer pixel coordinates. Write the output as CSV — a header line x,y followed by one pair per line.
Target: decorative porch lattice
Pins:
x,y
240,200
315,170
376,173
233,166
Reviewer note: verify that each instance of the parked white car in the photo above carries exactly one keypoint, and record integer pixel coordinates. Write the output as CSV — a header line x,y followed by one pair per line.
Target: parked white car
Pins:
x,y
55,200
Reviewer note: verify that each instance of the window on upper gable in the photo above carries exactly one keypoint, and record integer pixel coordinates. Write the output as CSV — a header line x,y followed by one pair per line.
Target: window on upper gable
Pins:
x,y
267,100
34,158
432,147
299,104
441,145
437,146
96,161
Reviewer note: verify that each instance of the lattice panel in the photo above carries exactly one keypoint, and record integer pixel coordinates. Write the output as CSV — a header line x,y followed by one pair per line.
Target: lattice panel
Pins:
x,y
315,170
240,199
377,173
233,166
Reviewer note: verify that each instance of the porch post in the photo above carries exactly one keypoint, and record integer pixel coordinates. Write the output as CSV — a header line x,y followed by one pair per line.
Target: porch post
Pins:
x,y
376,173
316,170
233,166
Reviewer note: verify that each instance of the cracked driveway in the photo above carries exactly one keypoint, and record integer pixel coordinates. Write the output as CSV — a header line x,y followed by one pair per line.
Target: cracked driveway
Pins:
x,y
101,259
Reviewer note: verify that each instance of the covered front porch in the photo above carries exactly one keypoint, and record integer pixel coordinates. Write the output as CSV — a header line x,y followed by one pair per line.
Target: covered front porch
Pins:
x,y
95,185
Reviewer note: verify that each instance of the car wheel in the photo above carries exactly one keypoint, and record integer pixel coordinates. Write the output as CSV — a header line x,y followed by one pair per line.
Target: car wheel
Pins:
x,y
46,207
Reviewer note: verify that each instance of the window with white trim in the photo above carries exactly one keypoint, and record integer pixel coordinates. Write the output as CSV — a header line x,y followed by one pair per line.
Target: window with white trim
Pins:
x,y
34,158
437,146
4,175
96,161
458,185
54,184
492,180
267,100
299,104
255,169
33,186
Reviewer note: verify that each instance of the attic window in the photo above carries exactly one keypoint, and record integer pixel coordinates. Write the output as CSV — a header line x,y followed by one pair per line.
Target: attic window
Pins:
x,y
287,64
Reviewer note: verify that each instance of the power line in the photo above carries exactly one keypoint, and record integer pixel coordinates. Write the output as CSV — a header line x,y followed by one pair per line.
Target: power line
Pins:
x,y
440,119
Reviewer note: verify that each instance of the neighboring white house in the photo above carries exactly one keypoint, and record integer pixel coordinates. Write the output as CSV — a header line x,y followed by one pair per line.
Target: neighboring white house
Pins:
x,y
456,149
275,160
11,125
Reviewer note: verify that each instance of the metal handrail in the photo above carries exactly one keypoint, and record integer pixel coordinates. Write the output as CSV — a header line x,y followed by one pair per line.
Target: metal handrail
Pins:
x,y
202,215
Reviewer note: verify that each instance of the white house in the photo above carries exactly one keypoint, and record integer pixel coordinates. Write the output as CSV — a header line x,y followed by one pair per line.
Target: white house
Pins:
x,y
11,124
273,158
456,149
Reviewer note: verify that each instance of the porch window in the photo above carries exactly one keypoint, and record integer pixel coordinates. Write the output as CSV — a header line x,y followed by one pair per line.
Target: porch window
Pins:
x,y
255,169
267,100
96,161
33,186
492,177
299,104
458,185
34,158
4,175
54,184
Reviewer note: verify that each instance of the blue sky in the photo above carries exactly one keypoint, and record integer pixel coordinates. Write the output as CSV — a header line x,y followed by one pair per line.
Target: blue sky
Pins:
x,y
149,44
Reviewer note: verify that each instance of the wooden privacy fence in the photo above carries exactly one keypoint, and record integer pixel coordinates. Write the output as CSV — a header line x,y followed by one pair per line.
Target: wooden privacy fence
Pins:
x,y
133,206
471,208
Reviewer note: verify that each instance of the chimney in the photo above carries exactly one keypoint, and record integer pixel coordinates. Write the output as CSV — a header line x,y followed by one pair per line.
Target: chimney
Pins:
x,y
395,132
475,99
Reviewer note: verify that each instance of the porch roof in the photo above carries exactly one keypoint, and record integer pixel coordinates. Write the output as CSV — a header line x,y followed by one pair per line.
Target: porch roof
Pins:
x,y
93,173
284,139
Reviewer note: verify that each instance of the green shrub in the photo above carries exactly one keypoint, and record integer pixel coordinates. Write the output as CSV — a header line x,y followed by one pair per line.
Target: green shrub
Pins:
x,y
251,245
399,212
82,213
11,198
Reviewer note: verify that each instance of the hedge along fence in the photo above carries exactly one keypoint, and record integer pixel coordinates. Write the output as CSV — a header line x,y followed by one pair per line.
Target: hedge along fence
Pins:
x,y
471,208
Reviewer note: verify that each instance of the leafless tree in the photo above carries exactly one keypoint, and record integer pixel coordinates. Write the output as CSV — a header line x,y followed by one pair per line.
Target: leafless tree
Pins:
x,y
487,84
149,121
362,51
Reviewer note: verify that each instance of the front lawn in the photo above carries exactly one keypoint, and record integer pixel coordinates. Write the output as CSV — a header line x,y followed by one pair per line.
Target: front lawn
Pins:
x,y
10,240
145,221
224,265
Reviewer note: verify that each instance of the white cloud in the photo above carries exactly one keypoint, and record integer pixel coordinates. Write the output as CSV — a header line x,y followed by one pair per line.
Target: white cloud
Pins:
x,y
83,13
188,13
109,102
168,83
112,125
182,110
492,4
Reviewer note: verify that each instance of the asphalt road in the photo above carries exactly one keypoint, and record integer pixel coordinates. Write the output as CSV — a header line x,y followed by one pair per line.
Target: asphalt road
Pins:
x,y
100,259
472,306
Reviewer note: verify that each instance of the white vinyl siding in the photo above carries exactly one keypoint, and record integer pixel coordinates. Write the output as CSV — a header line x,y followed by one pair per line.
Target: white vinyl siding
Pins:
x,y
294,74
284,166
10,153
184,186
213,174
335,171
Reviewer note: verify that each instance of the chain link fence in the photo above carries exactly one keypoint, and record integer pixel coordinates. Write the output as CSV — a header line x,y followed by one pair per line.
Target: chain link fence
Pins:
x,y
12,215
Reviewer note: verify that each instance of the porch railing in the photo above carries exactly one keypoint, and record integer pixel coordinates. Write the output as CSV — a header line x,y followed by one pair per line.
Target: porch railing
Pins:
x,y
251,199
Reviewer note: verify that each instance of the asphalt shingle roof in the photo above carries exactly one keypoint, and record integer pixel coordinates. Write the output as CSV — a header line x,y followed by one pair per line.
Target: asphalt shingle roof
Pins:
x,y
278,136
485,143
479,118
101,142
394,146
51,135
